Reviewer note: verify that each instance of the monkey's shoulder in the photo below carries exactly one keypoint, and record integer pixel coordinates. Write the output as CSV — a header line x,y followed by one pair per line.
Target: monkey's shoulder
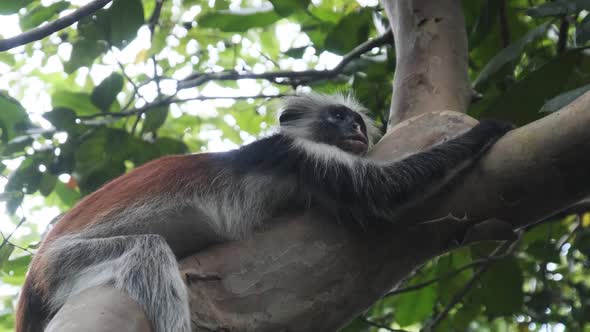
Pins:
x,y
275,152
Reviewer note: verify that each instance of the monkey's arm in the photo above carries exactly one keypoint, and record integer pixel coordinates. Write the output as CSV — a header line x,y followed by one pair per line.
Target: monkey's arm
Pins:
x,y
379,189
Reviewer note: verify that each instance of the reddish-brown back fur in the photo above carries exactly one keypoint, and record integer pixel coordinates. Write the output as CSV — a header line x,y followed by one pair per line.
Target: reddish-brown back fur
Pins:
x,y
174,174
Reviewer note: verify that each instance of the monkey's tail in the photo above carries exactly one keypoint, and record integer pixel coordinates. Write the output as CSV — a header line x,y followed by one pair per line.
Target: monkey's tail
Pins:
x,y
31,310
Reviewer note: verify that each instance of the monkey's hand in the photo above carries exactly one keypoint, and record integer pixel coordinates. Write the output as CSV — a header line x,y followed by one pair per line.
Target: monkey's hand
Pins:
x,y
487,132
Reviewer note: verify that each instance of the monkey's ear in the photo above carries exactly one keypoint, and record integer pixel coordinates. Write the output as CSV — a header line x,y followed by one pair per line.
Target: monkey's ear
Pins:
x,y
289,115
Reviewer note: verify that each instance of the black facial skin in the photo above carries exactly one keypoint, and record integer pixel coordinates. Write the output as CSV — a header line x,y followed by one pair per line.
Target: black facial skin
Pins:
x,y
341,127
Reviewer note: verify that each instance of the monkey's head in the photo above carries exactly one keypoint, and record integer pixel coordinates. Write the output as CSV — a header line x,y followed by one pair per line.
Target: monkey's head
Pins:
x,y
330,119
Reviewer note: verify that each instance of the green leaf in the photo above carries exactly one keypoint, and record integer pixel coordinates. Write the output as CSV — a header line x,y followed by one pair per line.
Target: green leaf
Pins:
x,y
556,103
16,145
326,12
350,31
126,18
91,153
414,307
84,52
464,316
96,26
7,58
13,117
67,195
318,33
106,92
13,203
296,52
238,21
288,7
545,252
61,118
501,288
154,119
93,180
142,151
47,184
5,252
522,102
170,146
486,20
447,264
545,232
27,176
510,53
79,102
18,265
93,33
582,242
40,14
99,160
583,31
558,8
15,270
356,325
8,7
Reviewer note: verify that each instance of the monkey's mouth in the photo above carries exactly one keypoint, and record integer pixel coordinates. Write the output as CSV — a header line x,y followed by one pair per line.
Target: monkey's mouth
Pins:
x,y
356,139
355,144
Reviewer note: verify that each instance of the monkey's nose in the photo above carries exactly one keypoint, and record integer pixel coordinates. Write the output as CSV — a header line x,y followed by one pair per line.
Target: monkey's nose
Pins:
x,y
357,128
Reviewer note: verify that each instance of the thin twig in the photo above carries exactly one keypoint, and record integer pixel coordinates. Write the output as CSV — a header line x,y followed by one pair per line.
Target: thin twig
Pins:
x,y
155,17
152,23
504,27
578,226
374,324
504,248
6,239
171,100
451,274
201,78
563,33
580,207
269,59
135,87
135,93
51,27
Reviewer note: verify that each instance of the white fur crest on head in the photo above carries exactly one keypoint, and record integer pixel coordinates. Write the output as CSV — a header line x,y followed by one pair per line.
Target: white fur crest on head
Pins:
x,y
312,102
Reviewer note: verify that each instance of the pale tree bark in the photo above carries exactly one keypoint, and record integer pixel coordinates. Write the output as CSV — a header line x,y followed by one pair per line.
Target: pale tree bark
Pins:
x,y
431,55
306,273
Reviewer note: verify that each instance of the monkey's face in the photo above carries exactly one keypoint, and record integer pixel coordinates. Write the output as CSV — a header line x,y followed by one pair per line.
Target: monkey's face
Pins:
x,y
343,128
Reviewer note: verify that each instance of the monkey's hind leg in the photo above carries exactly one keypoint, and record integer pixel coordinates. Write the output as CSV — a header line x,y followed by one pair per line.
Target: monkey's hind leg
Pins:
x,y
143,266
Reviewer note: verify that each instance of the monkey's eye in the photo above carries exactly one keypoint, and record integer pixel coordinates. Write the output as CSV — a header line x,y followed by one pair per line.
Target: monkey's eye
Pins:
x,y
338,115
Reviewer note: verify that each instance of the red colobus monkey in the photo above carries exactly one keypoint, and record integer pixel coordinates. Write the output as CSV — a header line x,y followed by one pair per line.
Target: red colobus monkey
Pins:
x,y
130,233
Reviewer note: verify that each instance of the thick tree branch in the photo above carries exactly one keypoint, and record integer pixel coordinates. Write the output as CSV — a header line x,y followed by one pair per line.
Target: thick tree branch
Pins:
x,y
51,27
307,273
548,171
